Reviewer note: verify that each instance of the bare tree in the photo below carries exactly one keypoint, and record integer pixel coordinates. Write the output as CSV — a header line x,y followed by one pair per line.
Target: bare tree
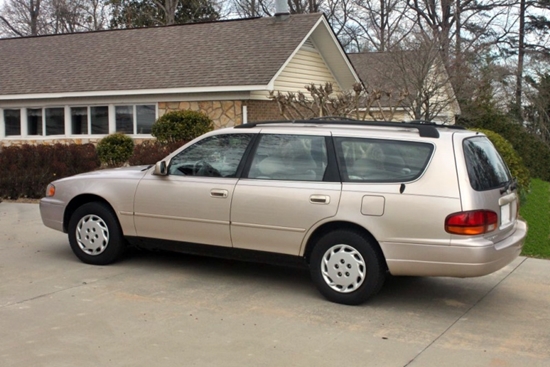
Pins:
x,y
383,23
23,18
252,8
38,17
320,101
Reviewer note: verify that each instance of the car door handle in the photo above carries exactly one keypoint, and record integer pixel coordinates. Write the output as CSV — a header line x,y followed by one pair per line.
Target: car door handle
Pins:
x,y
218,193
319,199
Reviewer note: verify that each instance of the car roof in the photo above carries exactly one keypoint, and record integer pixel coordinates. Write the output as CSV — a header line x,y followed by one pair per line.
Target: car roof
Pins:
x,y
343,125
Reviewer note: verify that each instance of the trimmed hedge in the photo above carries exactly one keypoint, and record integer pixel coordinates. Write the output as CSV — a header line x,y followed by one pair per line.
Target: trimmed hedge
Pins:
x,y
152,151
26,170
181,125
512,159
114,150
533,151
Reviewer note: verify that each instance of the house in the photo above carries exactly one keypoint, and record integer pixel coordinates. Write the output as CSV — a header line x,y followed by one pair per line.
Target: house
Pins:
x,y
410,85
80,87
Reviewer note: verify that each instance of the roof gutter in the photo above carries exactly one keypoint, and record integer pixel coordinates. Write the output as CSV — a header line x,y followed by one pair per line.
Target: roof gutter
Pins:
x,y
136,92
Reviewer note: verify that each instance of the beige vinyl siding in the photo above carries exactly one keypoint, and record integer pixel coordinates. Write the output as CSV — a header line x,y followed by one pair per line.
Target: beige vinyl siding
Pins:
x,y
305,68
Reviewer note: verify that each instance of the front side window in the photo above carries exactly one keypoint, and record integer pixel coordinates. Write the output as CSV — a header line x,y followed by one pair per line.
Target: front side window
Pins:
x,y
34,121
12,121
215,156
486,169
55,121
289,157
373,160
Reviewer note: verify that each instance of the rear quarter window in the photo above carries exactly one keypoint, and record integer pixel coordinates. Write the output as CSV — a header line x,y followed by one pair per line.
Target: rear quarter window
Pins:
x,y
486,169
376,160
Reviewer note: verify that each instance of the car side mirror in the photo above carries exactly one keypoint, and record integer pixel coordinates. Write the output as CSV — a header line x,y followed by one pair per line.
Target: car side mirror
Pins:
x,y
160,169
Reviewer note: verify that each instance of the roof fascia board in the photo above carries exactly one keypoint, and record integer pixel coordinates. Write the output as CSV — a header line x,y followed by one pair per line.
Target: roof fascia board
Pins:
x,y
340,49
138,92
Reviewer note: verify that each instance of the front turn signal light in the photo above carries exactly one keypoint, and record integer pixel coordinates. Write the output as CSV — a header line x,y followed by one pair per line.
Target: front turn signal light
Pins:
x,y
50,191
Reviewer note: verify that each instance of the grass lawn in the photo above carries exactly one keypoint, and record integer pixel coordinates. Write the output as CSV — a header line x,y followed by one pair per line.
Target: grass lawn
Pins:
x,y
536,211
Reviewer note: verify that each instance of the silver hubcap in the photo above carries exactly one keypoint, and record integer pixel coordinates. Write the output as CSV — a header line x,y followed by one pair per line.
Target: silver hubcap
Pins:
x,y
92,234
343,268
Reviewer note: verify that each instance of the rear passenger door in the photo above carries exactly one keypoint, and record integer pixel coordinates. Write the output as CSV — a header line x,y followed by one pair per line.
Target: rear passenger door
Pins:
x,y
289,186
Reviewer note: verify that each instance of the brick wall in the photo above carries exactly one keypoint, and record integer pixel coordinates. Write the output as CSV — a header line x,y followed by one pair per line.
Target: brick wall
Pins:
x,y
263,111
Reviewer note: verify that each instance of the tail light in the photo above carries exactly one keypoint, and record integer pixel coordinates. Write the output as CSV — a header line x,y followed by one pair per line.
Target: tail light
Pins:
x,y
472,222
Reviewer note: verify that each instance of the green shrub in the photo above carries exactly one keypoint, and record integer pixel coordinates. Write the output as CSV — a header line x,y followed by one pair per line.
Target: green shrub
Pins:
x,y
114,150
533,151
512,159
26,170
181,125
152,151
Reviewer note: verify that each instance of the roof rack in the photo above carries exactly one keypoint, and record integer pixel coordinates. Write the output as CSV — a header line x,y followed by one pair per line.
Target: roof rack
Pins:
x,y
425,129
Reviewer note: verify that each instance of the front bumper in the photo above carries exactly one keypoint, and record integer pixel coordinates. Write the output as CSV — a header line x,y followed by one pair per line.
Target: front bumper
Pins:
x,y
52,211
454,261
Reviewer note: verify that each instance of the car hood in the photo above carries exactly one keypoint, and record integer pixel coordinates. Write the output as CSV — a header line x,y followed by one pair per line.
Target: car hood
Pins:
x,y
133,172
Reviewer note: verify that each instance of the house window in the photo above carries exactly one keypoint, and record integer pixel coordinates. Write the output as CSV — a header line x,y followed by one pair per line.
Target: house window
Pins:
x,y
145,116
55,121
34,121
124,117
12,121
136,119
99,116
79,120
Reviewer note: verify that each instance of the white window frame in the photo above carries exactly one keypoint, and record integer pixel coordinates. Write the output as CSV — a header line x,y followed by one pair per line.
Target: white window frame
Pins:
x,y
68,133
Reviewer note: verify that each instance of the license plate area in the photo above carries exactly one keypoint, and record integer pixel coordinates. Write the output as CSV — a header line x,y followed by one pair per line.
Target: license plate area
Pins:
x,y
505,215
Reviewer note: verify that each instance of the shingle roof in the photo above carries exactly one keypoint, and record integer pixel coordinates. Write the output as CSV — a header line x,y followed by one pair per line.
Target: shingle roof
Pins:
x,y
228,53
378,69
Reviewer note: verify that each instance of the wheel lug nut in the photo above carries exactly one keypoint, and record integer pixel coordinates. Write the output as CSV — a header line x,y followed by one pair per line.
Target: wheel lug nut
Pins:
x,y
349,266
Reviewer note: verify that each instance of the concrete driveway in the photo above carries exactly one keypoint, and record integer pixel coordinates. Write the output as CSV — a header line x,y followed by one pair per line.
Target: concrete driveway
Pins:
x,y
176,310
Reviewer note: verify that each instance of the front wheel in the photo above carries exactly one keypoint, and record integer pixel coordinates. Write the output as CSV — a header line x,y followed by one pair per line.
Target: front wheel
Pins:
x,y
346,267
95,235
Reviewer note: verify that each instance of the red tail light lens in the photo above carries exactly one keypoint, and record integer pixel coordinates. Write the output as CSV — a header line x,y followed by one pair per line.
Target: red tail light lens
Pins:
x,y
472,222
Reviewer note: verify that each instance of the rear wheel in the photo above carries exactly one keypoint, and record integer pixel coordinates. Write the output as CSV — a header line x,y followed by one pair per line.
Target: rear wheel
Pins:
x,y
95,235
346,267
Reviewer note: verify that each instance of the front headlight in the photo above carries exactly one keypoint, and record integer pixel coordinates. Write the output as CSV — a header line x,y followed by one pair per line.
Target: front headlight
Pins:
x,y
50,190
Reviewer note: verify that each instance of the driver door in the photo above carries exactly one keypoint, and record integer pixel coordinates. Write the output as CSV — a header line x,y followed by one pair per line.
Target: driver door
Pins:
x,y
192,203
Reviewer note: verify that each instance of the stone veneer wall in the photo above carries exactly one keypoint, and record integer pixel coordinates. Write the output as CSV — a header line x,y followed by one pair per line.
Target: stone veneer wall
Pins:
x,y
7,143
223,113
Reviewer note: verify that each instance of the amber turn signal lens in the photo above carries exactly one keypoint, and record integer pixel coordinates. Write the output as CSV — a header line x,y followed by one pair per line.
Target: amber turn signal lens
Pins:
x,y
471,223
50,190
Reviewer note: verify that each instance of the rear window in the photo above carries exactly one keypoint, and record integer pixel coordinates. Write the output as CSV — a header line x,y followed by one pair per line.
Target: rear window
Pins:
x,y
376,160
486,169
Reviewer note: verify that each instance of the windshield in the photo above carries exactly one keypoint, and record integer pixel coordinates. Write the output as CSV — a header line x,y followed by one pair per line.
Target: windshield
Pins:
x,y
486,169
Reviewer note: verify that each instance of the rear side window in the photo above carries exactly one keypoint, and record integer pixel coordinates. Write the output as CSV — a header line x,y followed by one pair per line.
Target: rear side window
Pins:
x,y
374,160
486,169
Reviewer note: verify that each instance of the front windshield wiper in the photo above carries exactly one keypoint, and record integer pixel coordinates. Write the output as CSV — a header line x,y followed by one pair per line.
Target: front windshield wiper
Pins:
x,y
512,184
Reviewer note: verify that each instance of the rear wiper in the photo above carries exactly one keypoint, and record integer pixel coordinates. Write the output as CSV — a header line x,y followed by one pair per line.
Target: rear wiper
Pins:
x,y
512,184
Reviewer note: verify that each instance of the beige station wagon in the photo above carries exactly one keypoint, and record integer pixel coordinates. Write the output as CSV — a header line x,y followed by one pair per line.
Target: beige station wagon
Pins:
x,y
353,201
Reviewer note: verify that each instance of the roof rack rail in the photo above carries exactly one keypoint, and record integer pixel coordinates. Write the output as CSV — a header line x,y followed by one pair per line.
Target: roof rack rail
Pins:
x,y
425,129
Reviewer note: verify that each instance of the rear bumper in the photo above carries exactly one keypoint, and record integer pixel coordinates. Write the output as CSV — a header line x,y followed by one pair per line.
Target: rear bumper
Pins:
x,y
454,261
51,212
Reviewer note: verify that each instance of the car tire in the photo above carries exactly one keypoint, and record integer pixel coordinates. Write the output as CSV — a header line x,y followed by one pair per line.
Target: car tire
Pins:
x,y
347,267
95,234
